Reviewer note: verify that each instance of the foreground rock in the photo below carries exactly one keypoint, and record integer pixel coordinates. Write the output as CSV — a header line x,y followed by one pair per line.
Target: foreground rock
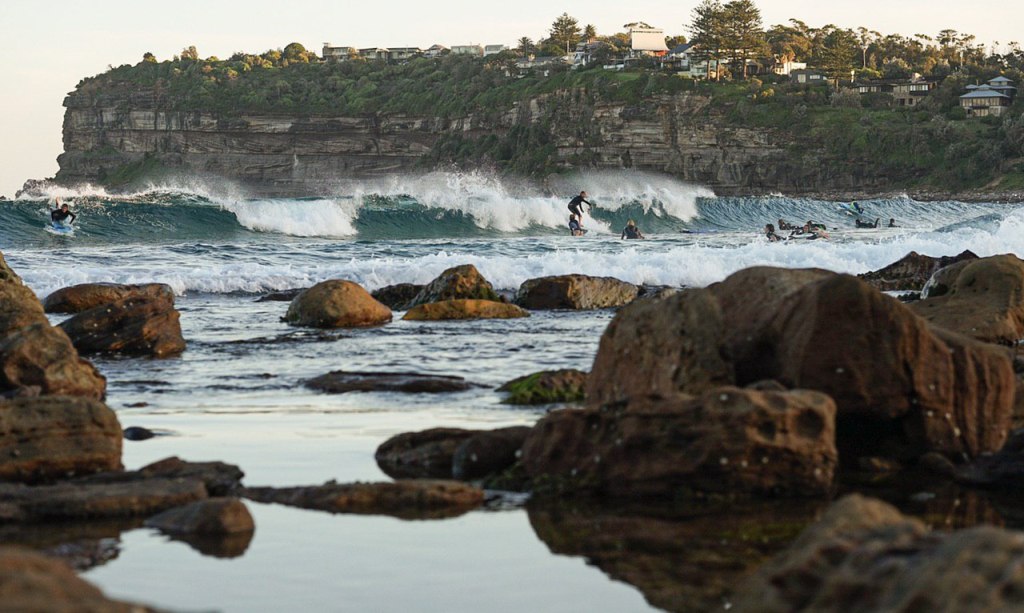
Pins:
x,y
985,301
214,516
340,382
445,453
912,272
33,582
53,437
464,309
727,442
575,292
66,501
403,499
902,388
546,387
19,306
219,478
1001,470
85,296
397,297
43,356
459,283
336,304
138,326
863,555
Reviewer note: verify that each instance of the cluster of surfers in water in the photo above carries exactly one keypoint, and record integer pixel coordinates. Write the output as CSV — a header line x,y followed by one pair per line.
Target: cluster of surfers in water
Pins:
x,y
812,230
631,231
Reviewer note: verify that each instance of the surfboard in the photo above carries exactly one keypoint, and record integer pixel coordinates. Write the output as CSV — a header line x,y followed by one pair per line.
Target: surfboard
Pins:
x,y
850,210
61,229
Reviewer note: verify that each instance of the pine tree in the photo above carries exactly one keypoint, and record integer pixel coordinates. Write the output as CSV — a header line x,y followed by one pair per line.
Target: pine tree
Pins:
x,y
565,31
707,29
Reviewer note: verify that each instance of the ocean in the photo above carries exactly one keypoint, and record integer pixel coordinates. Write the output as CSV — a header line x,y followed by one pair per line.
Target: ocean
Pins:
x,y
236,394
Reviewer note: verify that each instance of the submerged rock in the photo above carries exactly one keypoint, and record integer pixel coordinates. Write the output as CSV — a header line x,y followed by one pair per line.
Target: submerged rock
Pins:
x,y
863,555
85,296
285,295
80,500
727,442
444,453
336,304
459,283
219,478
52,437
340,382
575,292
911,272
420,499
545,387
398,297
464,309
139,326
213,516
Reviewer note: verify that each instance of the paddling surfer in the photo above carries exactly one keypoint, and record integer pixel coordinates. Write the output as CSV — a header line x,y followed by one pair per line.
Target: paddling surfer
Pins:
x,y
61,213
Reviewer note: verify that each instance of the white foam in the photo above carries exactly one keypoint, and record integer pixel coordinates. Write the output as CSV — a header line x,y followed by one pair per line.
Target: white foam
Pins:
x,y
327,218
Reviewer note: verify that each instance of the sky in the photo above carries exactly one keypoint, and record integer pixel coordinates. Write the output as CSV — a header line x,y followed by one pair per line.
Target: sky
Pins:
x,y
55,43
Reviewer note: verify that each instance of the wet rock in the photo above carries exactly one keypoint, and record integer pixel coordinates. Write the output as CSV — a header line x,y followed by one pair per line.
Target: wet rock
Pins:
x,y
459,283
19,306
911,272
398,297
488,452
25,391
418,499
464,309
985,301
727,442
657,292
941,281
41,355
336,304
421,455
660,348
863,555
138,433
213,516
32,582
46,438
78,500
226,546
1003,469
219,478
575,292
130,326
545,387
85,296
82,543
286,295
340,382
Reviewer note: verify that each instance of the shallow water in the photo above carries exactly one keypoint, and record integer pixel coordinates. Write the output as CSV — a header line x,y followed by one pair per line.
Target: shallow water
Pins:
x,y
237,393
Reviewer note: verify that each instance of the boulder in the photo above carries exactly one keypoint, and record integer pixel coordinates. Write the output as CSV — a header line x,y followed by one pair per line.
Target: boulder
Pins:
x,y
30,581
985,301
340,382
727,442
85,296
41,355
941,281
140,326
575,292
419,499
460,282
19,306
546,387
213,516
464,309
488,452
51,437
421,455
661,347
81,500
911,272
336,304
863,555
397,297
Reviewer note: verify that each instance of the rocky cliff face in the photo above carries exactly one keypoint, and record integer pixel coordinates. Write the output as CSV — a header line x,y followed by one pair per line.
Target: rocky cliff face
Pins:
x,y
684,135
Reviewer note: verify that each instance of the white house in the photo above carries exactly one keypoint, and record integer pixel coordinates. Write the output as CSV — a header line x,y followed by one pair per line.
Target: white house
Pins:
x,y
338,54
476,50
494,49
647,41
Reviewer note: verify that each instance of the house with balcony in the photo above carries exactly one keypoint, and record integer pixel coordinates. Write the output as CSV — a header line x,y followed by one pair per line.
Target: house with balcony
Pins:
x,y
992,99
494,49
338,54
475,50
808,76
436,51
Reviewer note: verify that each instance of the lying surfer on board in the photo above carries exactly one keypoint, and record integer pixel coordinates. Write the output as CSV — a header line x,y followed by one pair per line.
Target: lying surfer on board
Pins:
x,y
61,213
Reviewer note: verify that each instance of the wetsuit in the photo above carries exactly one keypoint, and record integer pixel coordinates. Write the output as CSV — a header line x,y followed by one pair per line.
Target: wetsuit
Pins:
x,y
576,206
631,232
58,216
574,226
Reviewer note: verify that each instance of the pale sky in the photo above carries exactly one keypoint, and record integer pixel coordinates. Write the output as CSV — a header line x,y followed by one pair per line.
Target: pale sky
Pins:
x,y
53,44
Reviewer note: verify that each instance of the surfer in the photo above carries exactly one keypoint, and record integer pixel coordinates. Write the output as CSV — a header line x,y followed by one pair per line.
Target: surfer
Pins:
x,y
769,232
575,228
816,230
785,225
892,222
59,214
857,208
867,224
576,206
631,231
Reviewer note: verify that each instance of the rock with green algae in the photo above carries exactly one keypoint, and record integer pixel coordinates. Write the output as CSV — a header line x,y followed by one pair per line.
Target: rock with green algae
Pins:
x,y
546,387
464,309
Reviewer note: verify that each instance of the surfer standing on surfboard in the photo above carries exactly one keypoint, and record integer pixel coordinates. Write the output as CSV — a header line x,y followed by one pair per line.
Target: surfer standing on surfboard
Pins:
x,y
576,213
59,214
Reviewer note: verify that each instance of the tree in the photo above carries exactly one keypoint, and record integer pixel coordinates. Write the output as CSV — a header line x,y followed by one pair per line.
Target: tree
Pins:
x,y
190,53
837,51
295,52
149,58
525,46
789,43
742,32
708,32
589,33
565,31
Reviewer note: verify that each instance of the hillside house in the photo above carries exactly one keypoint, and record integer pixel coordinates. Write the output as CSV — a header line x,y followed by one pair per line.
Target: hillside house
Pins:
x,y
993,98
688,61
374,53
476,50
338,54
786,68
808,76
402,54
647,41
494,49
436,51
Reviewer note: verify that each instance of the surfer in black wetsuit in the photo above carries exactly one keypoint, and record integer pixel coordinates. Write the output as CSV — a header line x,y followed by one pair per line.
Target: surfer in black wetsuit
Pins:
x,y
59,214
631,231
867,224
576,205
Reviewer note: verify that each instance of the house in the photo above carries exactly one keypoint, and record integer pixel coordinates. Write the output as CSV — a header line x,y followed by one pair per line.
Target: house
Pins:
x,y
786,68
687,60
586,51
808,76
436,51
494,49
476,50
374,53
910,93
993,98
403,54
338,54
647,41
1003,85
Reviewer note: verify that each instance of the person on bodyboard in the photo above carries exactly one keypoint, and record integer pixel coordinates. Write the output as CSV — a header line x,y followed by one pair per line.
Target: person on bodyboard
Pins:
x,y
769,232
60,214
867,224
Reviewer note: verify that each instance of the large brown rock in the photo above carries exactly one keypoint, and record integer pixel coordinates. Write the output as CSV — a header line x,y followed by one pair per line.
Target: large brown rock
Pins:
x,y
419,499
336,304
985,301
219,478
143,326
464,309
421,455
30,581
213,516
460,282
397,297
85,296
41,355
52,437
72,500
661,347
863,555
19,306
488,452
911,272
575,292
728,442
